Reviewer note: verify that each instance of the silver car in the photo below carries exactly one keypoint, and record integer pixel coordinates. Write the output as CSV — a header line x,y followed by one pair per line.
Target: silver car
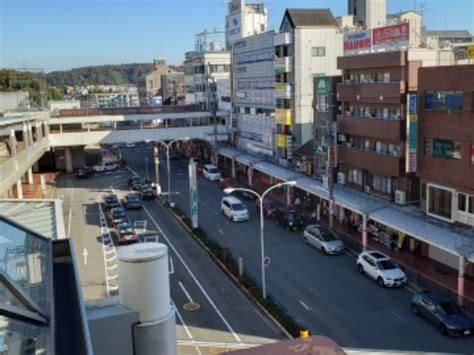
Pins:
x,y
323,239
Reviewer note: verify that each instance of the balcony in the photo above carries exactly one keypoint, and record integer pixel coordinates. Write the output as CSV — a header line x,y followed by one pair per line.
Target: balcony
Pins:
x,y
374,93
373,61
283,116
379,164
282,39
391,129
282,65
282,91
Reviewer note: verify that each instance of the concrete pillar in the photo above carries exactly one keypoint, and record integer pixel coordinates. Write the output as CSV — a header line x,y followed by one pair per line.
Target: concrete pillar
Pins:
x,y
12,143
39,130
68,159
462,268
36,167
234,175
30,176
250,175
30,135
26,139
364,232
19,190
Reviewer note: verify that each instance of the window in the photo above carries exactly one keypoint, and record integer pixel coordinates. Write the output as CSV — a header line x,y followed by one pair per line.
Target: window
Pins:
x,y
386,77
440,202
446,149
444,100
318,51
354,176
382,184
462,202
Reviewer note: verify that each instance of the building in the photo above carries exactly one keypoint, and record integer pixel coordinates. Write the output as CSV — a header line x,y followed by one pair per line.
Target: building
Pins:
x,y
173,88
253,100
114,100
189,78
308,44
446,142
244,20
9,101
415,21
150,84
55,105
368,13
442,39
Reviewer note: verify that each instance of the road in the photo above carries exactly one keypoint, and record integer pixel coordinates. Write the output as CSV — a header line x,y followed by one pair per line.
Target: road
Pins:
x,y
324,293
225,320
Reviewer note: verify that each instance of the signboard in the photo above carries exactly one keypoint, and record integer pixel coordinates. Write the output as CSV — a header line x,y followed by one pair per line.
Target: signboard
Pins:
x,y
280,65
193,194
442,148
322,85
357,42
412,129
394,36
470,52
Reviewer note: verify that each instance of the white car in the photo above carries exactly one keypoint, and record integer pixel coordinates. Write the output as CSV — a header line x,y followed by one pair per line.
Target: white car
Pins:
x,y
233,208
105,167
211,172
381,268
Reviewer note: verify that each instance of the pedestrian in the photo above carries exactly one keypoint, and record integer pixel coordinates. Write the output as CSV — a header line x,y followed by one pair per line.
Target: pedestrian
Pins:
x,y
297,203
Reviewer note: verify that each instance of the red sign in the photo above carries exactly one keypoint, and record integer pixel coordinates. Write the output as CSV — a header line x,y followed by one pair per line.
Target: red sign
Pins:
x,y
472,154
391,36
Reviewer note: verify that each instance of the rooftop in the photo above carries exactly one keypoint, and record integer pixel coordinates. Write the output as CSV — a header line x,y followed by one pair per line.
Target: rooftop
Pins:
x,y
449,34
308,18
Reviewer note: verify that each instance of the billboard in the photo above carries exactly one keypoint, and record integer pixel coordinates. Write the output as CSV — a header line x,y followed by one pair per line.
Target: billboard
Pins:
x,y
193,193
394,36
357,42
412,130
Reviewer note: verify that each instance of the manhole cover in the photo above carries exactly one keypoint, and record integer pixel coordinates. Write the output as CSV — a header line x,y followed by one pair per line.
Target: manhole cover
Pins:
x,y
191,306
217,350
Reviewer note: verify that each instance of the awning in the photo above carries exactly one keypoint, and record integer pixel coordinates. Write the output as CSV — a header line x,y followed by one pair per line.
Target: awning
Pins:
x,y
247,159
229,152
429,233
276,171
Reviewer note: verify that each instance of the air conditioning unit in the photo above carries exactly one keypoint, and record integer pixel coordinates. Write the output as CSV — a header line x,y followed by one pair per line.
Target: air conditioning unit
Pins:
x,y
341,178
400,197
367,188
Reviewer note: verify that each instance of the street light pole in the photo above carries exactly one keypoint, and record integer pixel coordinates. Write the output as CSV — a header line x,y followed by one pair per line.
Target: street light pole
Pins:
x,y
262,231
157,170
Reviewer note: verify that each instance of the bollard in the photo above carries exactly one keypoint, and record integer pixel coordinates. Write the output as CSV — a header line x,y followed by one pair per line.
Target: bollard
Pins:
x,y
241,267
304,333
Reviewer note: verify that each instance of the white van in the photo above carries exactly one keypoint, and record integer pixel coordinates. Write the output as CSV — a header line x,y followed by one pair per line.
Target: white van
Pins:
x,y
211,172
105,167
233,208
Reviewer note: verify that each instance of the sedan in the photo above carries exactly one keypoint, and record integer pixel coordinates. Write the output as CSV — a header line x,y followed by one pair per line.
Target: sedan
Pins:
x,y
132,202
147,193
323,239
111,201
381,268
117,215
443,313
126,233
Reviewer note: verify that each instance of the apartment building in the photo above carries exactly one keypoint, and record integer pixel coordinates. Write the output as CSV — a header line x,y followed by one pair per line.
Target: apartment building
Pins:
x,y
307,46
446,142
150,84
189,78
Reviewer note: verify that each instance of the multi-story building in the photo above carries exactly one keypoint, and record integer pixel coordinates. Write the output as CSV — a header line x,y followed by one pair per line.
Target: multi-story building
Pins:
x,y
368,13
446,142
190,97
442,39
415,21
253,100
172,88
244,20
308,44
114,100
150,84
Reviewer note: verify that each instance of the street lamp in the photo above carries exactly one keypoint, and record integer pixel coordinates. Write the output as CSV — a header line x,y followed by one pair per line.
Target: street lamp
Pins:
x,y
229,190
168,145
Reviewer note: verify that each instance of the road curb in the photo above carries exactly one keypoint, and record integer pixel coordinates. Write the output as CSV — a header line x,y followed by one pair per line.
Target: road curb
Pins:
x,y
228,273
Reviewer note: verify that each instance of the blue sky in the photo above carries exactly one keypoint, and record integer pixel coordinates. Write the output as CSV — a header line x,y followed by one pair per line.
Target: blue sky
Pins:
x,y
63,34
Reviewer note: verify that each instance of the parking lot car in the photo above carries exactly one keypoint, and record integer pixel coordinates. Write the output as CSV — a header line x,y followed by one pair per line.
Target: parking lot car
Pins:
x,y
269,208
233,208
147,193
211,172
443,313
381,268
84,173
117,215
111,201
126,234
225,183
289,219
102,167
323,239
132,202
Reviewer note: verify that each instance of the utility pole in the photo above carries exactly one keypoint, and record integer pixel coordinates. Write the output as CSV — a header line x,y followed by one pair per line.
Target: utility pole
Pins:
x,y
212,104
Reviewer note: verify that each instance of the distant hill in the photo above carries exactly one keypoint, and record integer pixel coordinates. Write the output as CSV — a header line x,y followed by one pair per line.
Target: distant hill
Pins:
x,y
120,74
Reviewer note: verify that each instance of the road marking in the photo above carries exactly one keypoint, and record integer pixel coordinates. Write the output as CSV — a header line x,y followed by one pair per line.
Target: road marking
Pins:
x,y
69,223
305,306
217,344
171,265
107,242
220,231
185,292
397,315
84,254
186,329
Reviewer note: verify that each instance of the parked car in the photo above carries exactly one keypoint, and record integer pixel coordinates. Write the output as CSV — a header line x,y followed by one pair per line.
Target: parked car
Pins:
x,y
245,195
289,219
323,239
133,179
211,172
84,173
137,184
147,193
225,183
233,208
126,233
269,208
117,215
111,201
199,168
132,202
443,313
102,167
381,268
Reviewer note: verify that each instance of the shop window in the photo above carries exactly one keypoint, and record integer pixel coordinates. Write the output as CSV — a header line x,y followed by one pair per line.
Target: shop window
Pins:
x,y
318,51
462,200
440,202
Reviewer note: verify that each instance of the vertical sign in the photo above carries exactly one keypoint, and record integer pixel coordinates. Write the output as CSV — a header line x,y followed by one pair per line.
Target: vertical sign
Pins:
x,y
193,194
412,129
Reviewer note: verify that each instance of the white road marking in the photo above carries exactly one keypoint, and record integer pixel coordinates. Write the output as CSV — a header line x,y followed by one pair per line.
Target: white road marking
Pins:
x,y
171,265
185,292
84,254
217,344
305,306
397,315
69,223
220,231
107,243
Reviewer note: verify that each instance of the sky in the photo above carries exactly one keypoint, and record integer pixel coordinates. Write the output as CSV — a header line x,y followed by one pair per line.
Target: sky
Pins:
x,y
64,34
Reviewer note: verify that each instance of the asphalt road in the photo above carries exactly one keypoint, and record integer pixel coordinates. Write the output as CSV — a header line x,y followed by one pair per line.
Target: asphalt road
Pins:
x,y
225,320
324,293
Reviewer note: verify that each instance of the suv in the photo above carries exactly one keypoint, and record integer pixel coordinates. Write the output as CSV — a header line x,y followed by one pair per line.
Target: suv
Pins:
x,y
111,201
323,239
211,172
289,219
233,208
381,268
126,233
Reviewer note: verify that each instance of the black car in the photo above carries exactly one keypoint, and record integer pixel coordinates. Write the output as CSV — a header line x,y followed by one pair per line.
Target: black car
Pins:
x,y
132,202
117,215
134,181
289,219
443,313
111,201
84,173
245,195
147,193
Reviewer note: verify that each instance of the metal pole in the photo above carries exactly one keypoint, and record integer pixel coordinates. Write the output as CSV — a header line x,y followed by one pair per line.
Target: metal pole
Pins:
x,y
262,245
169,169
157,170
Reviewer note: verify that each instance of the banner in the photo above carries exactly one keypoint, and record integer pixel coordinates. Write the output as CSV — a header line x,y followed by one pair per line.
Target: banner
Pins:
x,y
193,193
412,129
356,42
391,36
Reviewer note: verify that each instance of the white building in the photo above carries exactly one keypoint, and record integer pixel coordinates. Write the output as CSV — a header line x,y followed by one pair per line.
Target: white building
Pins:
x,y
416,26
244,20
55,105
368,13
115,99
308,45
254,102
